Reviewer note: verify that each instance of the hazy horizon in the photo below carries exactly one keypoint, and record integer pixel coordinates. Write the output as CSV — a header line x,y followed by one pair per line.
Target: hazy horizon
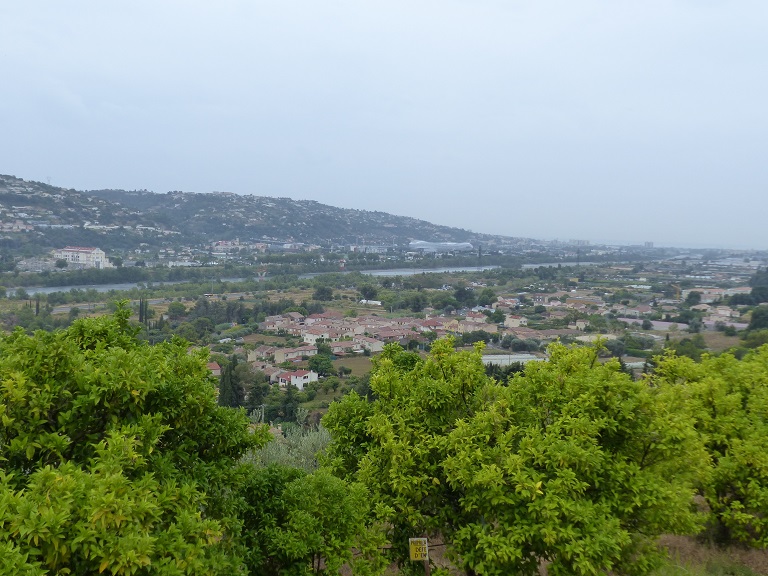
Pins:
x,y
590,120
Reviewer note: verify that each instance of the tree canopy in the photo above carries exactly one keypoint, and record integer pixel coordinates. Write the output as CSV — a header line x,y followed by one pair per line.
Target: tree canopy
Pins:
x,y
573,463
728,399
115,455
759,318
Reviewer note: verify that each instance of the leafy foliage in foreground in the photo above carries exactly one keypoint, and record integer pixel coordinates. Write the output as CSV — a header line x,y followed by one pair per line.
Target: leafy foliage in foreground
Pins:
x,y
115,456
299,523
728,398
572,463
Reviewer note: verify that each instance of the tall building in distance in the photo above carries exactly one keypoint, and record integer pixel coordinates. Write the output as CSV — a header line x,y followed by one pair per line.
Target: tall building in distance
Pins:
x,y
83,257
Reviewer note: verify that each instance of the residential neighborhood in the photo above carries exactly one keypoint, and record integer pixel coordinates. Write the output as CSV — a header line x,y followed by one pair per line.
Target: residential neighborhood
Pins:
x,y
635,311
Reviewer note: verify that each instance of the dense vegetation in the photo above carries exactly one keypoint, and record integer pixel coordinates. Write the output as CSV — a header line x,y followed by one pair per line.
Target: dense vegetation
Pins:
x,y
573,463
116,457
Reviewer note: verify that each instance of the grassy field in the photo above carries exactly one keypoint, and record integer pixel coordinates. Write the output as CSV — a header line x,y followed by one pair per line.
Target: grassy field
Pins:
x,y
715,341
322,400
690,557
358,364
718,341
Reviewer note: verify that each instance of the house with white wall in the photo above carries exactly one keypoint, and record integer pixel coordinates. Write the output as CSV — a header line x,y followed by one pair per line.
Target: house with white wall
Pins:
x,y
83,257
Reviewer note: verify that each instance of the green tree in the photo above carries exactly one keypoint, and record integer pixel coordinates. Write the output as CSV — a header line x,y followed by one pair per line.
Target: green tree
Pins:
x,y
693,298
324,348
441,300
321,364
368,291
759,294
74,313
503,374
299,523
115,456
187,331
530,463
464,296
690,347
496,317
486,297
256,386
572,463
176,310
759,319
289,403
728,399
273,403
756,338
203,326
323,293
231,391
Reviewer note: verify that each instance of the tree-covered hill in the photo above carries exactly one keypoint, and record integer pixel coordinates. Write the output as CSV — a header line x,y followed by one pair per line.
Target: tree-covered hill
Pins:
x,y
40,216
228,215
36,217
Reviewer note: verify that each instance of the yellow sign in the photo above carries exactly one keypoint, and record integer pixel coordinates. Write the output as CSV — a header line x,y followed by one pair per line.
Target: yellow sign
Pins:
x,y
418,548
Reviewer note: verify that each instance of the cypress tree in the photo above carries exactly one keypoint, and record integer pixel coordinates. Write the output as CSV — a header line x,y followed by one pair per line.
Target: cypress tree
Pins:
x,y
231,391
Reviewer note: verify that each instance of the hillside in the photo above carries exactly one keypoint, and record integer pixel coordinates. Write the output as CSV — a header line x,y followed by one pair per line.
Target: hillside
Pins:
x,y
226,215
35,217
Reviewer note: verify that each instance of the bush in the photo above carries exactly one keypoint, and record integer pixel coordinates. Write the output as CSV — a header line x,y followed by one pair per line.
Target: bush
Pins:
x,y
114,443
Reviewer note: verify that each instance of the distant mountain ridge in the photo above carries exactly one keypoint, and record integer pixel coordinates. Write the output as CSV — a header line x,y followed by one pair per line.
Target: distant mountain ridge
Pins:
x,y
229,215
124,219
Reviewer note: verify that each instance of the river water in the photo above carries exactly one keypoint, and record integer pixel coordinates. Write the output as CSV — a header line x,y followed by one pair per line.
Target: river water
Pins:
x,y
131,285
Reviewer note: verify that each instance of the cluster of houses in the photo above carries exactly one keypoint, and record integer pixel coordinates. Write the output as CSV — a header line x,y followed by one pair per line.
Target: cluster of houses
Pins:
x,y
15,226
297,378
370,333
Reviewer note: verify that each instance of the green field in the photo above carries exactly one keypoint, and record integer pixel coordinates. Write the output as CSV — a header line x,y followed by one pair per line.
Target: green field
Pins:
x,y
358,364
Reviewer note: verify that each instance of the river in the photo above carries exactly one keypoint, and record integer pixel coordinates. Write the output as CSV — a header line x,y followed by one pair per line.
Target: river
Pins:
x,y
131,285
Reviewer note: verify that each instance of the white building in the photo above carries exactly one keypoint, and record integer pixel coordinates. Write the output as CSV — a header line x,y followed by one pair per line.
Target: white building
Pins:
x,y
83,257
299,378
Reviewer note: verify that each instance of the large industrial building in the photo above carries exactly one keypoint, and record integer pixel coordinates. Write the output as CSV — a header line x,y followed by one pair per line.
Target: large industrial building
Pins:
x,y
442,247
83,257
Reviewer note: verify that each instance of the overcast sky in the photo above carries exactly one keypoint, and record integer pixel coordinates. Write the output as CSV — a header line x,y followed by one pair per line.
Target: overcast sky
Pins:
x,y
613,120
